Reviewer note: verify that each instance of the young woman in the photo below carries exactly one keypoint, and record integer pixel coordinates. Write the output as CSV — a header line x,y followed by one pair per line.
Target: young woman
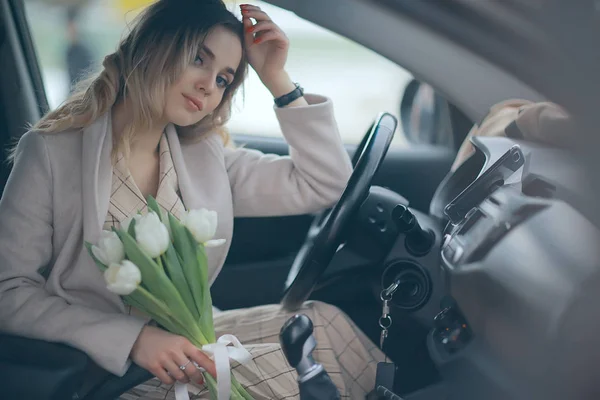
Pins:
x,y
151,123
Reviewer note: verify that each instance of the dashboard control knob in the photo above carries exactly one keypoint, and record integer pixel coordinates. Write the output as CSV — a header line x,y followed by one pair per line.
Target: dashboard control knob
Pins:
x,y
418,241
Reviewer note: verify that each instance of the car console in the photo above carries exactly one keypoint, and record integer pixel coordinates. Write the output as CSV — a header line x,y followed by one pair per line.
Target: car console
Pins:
x,y
518,255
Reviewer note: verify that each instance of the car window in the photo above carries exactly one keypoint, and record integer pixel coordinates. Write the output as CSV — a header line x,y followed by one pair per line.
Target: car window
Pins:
x,y
72,37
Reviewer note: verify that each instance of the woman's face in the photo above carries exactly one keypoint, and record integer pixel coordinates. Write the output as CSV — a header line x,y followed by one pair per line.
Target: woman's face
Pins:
x,y
200,88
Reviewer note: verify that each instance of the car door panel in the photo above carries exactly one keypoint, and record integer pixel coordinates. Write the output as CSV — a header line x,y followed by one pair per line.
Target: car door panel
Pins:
x,y
263,249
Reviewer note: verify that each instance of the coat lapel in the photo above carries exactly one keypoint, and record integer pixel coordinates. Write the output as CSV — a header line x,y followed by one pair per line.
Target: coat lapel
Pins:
x,y
96,168
183,178
203,183
96,172
197,183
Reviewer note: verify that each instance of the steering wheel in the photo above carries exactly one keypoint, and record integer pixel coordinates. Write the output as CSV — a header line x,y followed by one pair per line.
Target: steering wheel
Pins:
x,y
327,231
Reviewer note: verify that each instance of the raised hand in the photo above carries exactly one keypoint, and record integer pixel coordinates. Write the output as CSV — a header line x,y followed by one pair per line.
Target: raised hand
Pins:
x,y
267,49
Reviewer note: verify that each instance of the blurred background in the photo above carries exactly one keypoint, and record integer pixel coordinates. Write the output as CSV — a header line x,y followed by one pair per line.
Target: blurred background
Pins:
x,y
72,37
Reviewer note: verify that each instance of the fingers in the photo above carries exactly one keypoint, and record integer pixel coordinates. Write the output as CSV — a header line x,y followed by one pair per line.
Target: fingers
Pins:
x,y
172,367
190,369
163,354
250,11
268,36
162,374
194,354
264,31
248,32
261,27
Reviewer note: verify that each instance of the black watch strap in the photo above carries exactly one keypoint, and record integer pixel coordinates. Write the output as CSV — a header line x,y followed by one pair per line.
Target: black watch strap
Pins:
x,y
286,99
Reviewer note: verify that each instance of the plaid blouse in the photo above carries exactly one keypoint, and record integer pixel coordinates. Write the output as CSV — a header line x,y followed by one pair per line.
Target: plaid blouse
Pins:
x,y
126,199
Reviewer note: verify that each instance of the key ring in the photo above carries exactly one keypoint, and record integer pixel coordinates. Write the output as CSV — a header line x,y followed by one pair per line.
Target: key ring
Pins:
x,y
387,293
385,322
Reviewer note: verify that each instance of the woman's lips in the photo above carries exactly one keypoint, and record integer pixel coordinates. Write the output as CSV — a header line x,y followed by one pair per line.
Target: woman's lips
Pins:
x,y
193,103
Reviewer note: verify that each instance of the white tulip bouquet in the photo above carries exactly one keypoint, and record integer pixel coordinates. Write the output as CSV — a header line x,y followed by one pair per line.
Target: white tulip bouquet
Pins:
x,y
158,265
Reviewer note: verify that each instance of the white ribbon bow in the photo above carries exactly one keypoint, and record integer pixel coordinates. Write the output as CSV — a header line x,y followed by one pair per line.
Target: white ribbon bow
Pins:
x,y
220,352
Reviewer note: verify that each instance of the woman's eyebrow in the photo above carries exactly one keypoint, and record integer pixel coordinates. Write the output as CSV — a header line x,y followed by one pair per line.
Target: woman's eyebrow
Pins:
x,y
212,56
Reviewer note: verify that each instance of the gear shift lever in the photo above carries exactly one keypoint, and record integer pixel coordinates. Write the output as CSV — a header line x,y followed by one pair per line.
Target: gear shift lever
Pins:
x,y
298,344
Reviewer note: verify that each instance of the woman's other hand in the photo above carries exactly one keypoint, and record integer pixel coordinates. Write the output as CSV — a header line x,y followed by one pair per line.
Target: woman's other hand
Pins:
x,y
267,49
162,353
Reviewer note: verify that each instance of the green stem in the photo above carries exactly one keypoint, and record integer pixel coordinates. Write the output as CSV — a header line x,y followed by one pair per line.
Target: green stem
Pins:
x,y
212,385
190,330
240,389
237,390
159,262
165,322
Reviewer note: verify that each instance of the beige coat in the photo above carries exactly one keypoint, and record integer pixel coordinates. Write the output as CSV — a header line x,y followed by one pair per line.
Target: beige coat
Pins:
x,y
58,194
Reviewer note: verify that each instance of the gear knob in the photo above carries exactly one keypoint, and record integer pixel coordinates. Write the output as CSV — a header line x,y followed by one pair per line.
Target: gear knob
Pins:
x,y
298,343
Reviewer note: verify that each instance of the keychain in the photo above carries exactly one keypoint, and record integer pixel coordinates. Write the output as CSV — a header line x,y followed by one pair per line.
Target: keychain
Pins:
x,y
385,321
386,371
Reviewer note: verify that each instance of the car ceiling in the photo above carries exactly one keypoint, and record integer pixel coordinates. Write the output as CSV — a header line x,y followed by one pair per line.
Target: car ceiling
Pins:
x,y
466,79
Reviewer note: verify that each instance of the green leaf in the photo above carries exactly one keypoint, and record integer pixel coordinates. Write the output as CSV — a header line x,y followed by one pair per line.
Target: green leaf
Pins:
x,y
151,304
240,389
153,205
187,251
212,385
195,268
131,228
206,315
161,318
156,281
159,311
175,270
102,267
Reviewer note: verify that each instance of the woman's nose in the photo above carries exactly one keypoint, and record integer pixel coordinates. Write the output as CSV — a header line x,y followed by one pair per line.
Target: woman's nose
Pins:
x,y
206,84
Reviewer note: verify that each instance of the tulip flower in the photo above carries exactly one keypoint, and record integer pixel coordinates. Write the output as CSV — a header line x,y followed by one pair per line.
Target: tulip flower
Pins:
x,y
122,278
109,249
202,224
151,234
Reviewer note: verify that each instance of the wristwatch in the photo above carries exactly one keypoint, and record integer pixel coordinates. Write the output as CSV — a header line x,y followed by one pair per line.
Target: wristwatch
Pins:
x,y
286,99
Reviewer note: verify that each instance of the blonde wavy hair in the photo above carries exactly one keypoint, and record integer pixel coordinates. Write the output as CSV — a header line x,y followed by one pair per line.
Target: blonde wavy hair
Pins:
x,y
163,40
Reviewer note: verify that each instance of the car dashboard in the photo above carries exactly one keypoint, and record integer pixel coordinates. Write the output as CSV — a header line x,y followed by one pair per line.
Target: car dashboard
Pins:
x,y
507,285
512,278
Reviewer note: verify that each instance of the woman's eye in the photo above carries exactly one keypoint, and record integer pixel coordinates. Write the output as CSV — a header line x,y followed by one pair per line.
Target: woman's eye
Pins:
x,y
222,82
198,60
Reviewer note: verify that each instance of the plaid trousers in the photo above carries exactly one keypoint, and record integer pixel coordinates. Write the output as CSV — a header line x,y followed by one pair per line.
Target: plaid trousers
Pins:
x,y
345,352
